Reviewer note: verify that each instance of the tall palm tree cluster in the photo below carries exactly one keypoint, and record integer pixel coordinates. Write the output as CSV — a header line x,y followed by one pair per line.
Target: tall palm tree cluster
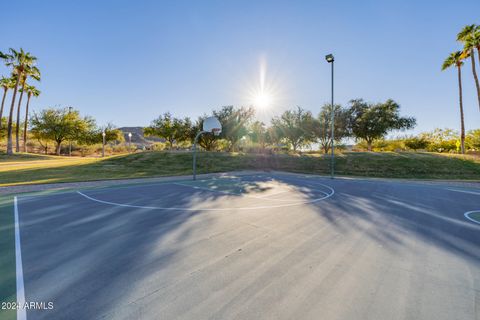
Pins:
x,y
23,69
469,36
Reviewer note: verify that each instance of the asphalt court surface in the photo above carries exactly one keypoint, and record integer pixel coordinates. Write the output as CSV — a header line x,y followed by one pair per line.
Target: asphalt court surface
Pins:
x,y
261,246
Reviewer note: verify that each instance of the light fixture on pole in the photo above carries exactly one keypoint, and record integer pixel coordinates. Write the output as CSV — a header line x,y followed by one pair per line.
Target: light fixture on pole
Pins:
x,y
331,59
103,143
129,140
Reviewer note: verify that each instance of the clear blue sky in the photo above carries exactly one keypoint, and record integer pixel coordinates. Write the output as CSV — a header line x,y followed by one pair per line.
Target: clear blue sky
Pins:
x,y
126,62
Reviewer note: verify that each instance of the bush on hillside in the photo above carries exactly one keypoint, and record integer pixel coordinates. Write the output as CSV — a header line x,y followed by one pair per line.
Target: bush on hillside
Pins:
x,y
416,143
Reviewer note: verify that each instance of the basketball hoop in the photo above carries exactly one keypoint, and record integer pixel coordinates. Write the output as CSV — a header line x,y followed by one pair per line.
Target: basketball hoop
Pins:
x,y
210,125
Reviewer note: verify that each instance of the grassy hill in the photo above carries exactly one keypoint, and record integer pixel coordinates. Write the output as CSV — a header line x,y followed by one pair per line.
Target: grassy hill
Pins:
x,y
28,169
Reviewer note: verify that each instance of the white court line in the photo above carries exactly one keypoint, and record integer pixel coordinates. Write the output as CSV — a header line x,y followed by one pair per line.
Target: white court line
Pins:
x,y
327,195
21,312
464,191
467,215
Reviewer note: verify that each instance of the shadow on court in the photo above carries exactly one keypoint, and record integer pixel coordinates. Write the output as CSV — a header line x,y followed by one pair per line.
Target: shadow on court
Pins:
x,y
99,260
392,213
87,256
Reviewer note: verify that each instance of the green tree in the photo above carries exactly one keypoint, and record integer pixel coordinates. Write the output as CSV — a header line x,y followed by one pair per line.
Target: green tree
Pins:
x,y
234,122
472,140
207,141
295,127
95,134
31,91
322,126
370,122
95,137
60,124
470,37
20,62
6,84
186,130
271,137
258,133
455,59
3,133
42,140
440,140
170,128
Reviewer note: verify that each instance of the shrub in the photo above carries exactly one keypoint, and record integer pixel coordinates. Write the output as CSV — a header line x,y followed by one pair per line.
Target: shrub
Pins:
x,y
416,143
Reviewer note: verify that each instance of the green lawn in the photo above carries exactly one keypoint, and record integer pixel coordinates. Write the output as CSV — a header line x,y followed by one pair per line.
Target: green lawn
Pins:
x,y
24,156
28,169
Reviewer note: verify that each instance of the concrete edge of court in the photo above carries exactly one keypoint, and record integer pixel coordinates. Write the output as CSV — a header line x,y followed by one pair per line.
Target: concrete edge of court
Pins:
x,y
442,182
65,186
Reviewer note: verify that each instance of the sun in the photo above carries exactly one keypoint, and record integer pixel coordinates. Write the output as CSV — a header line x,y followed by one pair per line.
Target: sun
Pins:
x,y
263,93
262,100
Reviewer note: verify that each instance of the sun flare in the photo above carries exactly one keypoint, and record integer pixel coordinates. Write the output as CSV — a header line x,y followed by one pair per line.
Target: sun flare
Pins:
x,y
263,92
262,100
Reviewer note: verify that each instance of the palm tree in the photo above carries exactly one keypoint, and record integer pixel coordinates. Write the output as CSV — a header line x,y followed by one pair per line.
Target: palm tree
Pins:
x,y
466,32
5,83
470,37
476,40
29,71
18,61
31,91
456,59
22,83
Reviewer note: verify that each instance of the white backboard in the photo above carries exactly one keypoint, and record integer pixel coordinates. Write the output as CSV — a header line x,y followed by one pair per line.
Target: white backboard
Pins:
x,y
211,123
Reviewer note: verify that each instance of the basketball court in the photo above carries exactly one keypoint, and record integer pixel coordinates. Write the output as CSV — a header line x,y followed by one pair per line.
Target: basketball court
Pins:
x,y
251,246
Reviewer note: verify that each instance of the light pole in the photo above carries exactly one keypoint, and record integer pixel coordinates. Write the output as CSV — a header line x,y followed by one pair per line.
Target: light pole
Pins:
x,y
331,59
70,141
129,141
103,143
